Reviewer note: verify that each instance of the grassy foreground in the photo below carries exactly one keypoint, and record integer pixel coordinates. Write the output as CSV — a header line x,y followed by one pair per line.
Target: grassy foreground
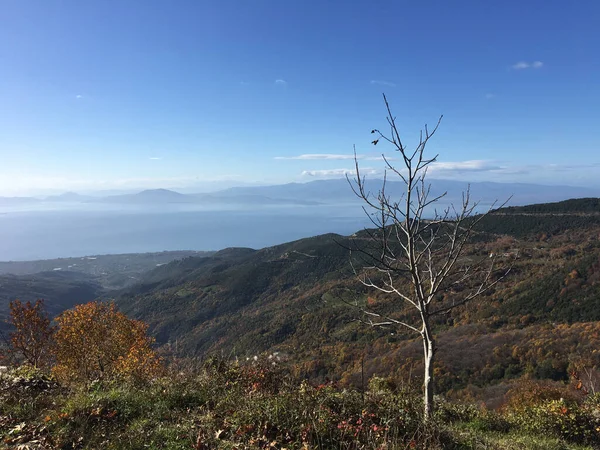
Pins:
x,y
259,406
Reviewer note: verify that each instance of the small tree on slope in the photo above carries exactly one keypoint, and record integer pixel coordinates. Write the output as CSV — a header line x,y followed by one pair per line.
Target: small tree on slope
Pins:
x,y
418,261
33,333
95,341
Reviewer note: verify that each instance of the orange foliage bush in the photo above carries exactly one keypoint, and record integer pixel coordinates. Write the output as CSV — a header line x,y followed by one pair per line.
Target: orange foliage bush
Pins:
x,y
32,338
95,341
530,393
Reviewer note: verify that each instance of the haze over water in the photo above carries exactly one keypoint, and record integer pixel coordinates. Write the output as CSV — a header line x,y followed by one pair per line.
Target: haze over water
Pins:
x,y
77,230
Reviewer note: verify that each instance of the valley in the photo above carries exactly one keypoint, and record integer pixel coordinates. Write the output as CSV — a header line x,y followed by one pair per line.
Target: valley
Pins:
x,y
66,282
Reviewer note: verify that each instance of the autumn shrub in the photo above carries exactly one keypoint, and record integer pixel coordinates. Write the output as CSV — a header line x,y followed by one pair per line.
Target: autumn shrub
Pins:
x,y
95,341
553,409
561,418
535,392
32,338
251,406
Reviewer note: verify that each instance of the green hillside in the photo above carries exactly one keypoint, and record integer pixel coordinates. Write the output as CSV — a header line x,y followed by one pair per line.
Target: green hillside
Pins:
x,y
233,300
60,290
574,206
291,298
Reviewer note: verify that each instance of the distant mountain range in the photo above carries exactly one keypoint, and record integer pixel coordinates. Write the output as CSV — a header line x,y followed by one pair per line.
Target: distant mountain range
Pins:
x,y
338,191
68,197
324,192
165,196
10,201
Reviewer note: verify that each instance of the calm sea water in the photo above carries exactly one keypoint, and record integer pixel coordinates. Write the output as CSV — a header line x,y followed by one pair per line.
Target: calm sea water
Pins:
x,y
63,230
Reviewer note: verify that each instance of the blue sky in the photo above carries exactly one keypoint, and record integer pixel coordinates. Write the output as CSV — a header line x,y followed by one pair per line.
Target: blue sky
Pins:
x,y
197,94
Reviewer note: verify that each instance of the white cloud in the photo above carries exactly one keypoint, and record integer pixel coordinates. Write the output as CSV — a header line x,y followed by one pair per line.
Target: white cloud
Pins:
x,y
331,157
79,96
437,169
383,83
337,173
521,65
155,158
482,168
475,165
281,82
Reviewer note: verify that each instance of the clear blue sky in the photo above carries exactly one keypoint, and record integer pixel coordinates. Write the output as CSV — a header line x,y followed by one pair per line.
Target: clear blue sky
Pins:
x,y
112,94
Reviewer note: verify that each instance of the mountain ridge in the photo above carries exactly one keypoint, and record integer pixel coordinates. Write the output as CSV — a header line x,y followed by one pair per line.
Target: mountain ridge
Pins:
x,y
326,191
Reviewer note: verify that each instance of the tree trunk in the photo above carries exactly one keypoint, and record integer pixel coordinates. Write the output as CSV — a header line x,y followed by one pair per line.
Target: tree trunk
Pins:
x,y
428,352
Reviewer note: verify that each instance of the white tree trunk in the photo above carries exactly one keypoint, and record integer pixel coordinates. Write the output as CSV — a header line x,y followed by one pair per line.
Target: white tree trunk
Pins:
x,y
428,352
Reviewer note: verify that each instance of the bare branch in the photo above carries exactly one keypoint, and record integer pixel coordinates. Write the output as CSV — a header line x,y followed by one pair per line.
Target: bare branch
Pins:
x,y
410,256
384,320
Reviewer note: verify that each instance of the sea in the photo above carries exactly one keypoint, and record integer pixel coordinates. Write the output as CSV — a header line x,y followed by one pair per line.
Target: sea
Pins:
x,y
54,230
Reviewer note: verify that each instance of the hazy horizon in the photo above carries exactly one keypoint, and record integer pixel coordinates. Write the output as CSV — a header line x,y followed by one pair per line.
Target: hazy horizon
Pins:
x,y
248,217
209,188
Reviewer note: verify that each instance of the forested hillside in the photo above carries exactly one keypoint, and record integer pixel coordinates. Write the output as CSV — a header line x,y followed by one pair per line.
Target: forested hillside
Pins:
x,y
60,290
293,298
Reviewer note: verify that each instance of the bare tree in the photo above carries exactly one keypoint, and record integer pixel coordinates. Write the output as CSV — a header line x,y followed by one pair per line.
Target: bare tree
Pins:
x,y
418,260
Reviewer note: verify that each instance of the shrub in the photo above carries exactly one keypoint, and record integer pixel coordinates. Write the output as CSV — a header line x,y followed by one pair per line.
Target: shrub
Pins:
x,y
95,341
532,393
560,418
32,338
